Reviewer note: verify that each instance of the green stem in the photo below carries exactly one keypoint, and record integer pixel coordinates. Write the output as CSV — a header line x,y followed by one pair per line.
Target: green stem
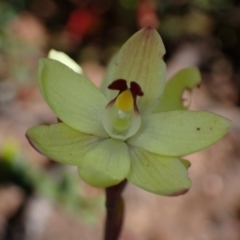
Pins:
x,y
115,211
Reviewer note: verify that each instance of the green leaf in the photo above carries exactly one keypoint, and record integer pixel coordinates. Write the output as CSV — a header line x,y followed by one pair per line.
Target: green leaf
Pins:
x,y
62,143
171,98
65,59
140,60
73,98
105,165
157,174
178,133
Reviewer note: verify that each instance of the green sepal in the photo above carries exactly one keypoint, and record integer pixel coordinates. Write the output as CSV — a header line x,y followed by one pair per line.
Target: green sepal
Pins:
x,y
73,98
61,143
106,164
157,174
178,133
140,60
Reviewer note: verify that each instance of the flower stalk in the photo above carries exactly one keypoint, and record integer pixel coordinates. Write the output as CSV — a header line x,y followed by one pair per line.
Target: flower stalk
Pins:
x,y
115,211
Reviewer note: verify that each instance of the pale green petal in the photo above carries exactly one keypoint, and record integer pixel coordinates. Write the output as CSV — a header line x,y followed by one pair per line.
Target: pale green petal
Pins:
x,y
140,60
178,133
105,165
62,143
171,98
73,98
158,174
65,59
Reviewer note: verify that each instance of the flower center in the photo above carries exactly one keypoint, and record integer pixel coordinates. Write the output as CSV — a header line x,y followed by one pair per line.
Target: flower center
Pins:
x,y
121,118
124,101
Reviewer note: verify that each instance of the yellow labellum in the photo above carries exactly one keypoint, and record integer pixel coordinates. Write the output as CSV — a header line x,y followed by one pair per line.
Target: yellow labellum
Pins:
x,y
124,101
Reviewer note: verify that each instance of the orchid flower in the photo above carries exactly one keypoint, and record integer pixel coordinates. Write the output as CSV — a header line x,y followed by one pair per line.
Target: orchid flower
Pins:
x,y
130,129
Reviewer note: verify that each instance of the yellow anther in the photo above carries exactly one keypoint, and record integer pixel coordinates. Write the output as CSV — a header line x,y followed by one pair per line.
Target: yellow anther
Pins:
x,y
124,101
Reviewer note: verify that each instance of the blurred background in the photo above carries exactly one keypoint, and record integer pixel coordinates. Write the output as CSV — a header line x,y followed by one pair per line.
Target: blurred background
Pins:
x,y
42,200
